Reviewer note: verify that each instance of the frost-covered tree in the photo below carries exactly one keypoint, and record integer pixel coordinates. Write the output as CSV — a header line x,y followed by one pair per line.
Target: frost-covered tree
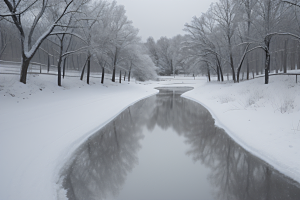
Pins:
x,y
34,13
90,21
168,54
139,64
121,35
205,44
225,14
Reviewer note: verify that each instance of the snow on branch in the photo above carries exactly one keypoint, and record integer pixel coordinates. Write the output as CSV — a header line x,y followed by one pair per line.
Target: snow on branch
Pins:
x,y
294,4
14,8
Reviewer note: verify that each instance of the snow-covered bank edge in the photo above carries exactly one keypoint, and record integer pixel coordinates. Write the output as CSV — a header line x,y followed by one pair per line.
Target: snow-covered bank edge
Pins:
x,y
65,157
281,167
263,119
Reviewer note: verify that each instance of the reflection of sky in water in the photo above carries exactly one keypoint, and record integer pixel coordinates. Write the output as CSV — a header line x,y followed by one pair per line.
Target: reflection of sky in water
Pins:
x,y
167,147
164,171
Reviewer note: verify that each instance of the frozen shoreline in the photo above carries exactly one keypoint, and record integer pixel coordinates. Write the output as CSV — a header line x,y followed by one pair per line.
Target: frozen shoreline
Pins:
x,y
259,128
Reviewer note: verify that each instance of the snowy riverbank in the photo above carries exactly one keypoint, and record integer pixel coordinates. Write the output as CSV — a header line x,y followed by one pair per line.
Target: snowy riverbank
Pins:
x,y
41,124
264,119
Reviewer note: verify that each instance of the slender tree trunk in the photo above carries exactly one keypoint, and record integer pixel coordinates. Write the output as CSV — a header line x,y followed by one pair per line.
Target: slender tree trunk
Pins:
x,y
208,73
241,64
24,68
82,72
59,72
267,67
232,68
248,68
114,74
285,57
115,63
282,58
102,77
124,75
64,67
48,67
120,78
221,73
276,62
129,75
220,69
88,70
231,59
218,73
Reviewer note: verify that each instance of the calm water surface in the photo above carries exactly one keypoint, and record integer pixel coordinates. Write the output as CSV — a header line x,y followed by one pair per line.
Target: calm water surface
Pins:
x,y
168,148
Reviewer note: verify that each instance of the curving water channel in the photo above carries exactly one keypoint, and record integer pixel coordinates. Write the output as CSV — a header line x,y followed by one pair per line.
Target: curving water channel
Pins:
x,y
167,147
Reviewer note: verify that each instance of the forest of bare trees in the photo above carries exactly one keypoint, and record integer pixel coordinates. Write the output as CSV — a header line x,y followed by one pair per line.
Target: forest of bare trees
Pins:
x,y
80,35
234,38
237,39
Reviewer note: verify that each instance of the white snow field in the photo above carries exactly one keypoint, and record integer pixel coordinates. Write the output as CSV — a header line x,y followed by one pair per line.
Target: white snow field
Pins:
x,y
41,124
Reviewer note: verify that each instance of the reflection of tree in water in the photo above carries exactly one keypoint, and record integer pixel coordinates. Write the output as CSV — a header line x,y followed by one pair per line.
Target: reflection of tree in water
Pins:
x,y
100,166
235,174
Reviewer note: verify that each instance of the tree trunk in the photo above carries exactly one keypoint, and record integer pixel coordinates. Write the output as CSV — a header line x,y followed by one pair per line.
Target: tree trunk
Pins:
x,y
248,68
102,77
115,63
48,68
64,67
218,73
88,70
129,75
24,68
221,73
220,69
241,64
267,67
232,69
208,73
82,72
114,74
124,75
59,72
120,78
285,57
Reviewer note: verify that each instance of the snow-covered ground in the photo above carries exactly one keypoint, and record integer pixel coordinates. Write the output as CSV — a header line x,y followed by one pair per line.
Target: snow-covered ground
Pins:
x,y
264,119
41,124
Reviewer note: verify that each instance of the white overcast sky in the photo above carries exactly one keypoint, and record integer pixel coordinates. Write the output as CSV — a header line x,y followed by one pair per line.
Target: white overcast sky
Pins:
x,y
158,18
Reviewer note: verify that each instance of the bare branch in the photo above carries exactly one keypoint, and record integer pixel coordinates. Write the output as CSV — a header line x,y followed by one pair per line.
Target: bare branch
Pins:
x,y
20,13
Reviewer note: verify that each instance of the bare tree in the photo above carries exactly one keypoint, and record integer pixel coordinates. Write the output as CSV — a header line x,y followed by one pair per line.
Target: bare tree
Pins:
x,y
93,15
203,43
17,10
121,35
225,13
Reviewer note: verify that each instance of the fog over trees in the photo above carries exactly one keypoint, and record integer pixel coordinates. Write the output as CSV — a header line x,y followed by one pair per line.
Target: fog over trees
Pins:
x,y
234,38
81,35
237,39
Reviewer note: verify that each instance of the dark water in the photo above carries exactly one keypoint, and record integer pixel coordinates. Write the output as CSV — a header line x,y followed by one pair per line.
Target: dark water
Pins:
x,y
168,148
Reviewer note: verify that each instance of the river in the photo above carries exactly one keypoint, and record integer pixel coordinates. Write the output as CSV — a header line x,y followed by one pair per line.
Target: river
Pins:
x,y
167,147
